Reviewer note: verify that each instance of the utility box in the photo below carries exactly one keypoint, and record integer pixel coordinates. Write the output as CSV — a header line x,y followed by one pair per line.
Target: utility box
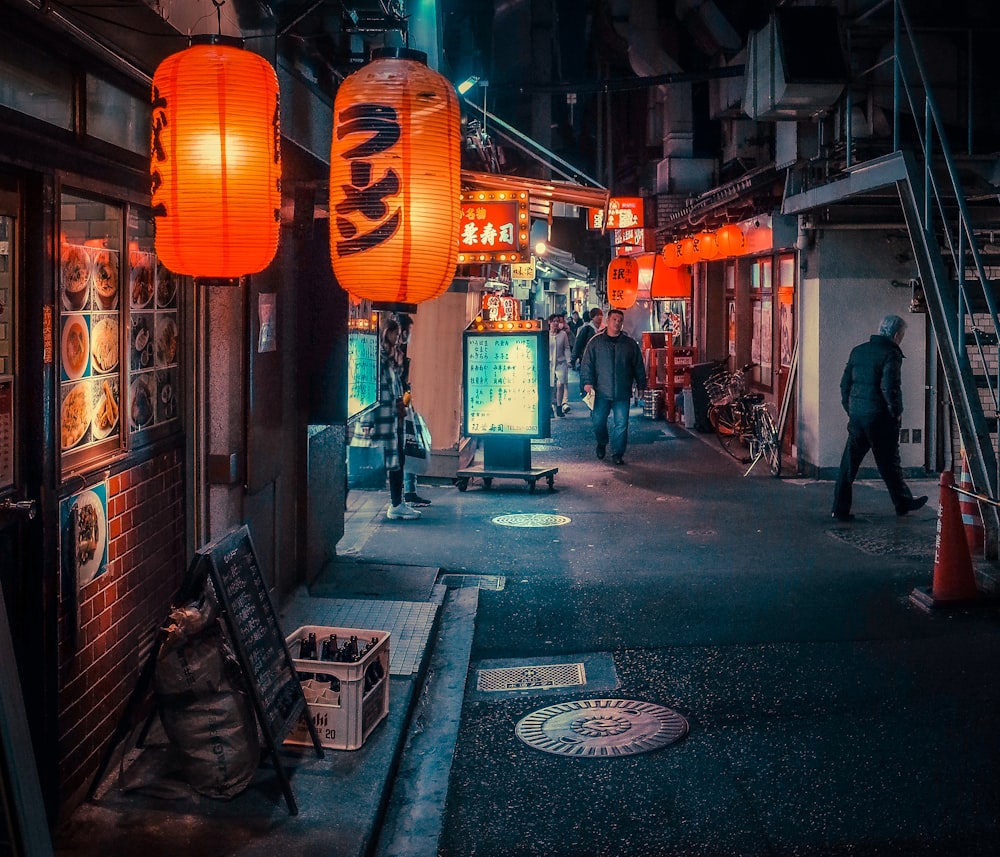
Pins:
x,y
346,701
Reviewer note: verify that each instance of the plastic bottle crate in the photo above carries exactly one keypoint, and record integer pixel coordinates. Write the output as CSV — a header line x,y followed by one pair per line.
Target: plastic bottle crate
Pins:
x,y
344,718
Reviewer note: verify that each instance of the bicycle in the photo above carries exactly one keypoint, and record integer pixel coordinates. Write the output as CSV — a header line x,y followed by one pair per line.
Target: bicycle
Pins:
x,y
743,421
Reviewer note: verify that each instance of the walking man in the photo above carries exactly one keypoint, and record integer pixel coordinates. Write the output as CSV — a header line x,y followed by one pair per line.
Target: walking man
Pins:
x,y
611,365
870,393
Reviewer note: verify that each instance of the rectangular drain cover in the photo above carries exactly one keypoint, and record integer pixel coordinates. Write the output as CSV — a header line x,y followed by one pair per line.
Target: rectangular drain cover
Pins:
x,y
531,676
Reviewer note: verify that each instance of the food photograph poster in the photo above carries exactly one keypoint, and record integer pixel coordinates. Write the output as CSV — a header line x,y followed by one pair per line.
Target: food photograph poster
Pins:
x,y
83,528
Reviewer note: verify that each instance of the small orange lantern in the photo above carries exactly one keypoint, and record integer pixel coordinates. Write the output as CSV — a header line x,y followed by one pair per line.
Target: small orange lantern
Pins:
x,y
670,282
671,254
731,240
623,282
215,160
395,180
705,246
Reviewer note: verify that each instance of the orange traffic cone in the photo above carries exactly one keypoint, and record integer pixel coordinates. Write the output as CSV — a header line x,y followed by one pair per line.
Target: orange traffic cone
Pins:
x,y
972,517
954,579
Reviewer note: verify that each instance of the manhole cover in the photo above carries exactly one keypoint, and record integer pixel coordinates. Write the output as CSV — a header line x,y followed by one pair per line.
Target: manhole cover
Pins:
x,y
523,678
601,728
531,519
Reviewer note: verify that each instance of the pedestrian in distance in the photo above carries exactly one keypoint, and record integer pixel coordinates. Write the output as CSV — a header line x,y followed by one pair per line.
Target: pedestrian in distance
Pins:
x,y
871,394
574,323
611,366
560,356
583,335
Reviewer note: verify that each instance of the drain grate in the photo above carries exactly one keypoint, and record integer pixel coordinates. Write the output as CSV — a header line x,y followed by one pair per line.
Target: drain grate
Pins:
x,y
601,728
531,677
491,582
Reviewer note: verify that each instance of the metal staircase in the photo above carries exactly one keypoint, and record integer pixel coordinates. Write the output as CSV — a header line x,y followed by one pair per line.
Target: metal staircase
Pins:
x,y
946,234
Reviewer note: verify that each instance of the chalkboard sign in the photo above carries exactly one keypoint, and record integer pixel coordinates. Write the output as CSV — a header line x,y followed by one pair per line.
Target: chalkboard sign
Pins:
x,y
254,630
259,644
252,626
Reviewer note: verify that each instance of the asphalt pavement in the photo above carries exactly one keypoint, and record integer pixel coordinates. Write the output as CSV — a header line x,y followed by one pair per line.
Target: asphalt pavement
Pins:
x,y
791,696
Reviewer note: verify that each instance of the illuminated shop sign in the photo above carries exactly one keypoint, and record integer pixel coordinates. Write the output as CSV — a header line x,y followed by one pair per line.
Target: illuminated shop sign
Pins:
x,y
623,213
494,227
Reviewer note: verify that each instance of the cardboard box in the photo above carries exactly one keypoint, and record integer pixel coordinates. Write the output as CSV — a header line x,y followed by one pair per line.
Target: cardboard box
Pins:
x,y
345,706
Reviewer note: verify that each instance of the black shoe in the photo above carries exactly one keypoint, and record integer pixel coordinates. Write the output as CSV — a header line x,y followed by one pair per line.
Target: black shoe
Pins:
x,y
617,459
914,504
845,518
415,500
600,450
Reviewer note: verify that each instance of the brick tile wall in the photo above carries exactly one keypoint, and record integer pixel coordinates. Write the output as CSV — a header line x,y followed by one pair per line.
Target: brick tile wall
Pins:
x,y
118,613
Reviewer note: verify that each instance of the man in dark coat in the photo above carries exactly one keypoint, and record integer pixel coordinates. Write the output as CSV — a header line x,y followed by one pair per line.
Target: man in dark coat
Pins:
x,y
612,363
870,393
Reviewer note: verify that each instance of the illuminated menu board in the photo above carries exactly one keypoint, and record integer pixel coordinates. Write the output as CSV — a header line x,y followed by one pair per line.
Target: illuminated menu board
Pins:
x,y
506,383
362,372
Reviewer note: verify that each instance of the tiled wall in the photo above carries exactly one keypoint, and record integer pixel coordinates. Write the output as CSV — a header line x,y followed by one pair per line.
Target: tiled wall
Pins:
x,y
119,612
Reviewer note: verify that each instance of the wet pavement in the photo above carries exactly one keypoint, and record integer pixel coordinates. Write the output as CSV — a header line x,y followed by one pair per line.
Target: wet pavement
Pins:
x,y
827,714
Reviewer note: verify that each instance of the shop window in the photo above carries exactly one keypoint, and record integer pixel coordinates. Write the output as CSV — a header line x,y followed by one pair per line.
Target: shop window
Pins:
x,y
38,86
117,116
762,332
118,333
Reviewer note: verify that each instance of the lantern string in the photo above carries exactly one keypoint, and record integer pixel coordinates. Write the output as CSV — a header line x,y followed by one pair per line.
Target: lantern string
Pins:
x,y
218,12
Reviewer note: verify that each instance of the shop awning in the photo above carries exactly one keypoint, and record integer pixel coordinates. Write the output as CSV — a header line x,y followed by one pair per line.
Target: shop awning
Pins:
x,y
541,192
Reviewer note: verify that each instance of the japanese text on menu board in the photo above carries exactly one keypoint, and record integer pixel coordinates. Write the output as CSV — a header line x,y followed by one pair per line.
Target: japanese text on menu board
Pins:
x,y
502,384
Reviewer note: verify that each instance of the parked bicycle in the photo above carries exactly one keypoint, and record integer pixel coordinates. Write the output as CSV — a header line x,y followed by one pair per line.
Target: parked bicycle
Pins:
x,y
743,421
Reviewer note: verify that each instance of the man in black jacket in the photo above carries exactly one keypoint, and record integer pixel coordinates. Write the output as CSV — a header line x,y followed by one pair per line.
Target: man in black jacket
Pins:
x,y
612,363
870,393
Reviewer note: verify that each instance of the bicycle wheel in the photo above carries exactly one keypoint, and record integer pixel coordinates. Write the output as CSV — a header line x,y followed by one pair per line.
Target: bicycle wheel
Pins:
x,y
767,437
728,424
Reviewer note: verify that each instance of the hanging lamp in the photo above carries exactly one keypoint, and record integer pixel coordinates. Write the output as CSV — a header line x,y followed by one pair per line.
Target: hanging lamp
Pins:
x,y
395,180
731,240
215,160
705,245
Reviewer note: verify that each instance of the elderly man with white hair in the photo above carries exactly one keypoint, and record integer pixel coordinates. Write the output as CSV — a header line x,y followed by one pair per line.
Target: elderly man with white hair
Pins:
x,y
870,393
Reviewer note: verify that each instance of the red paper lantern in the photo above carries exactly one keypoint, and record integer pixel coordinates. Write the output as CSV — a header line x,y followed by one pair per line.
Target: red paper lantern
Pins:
x,y
623,282
670,282
671,254
688,251
395,180
731,240
705,246
215,160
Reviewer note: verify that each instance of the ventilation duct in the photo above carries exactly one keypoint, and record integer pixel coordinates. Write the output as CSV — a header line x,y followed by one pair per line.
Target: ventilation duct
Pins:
x,y
795,65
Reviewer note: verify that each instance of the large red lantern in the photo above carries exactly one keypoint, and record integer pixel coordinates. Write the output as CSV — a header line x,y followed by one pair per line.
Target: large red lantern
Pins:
x,y
731,240
395,180
215,160
623,282
670,282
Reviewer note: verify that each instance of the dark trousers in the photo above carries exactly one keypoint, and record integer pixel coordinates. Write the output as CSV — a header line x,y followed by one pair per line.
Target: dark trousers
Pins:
x,y
618,410
396,476
880,434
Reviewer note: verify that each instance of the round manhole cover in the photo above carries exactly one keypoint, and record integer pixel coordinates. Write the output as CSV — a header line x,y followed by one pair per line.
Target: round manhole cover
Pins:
x,y
601,728
532,519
